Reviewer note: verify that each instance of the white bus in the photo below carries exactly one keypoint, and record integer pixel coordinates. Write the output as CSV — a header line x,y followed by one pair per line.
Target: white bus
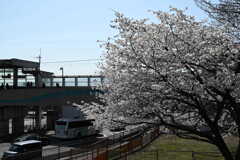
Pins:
x,y
74,128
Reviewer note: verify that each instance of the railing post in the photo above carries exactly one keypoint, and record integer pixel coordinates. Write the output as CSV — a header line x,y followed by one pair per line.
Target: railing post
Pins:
x,y
97,151
157,154
63,82
93,154
71,154
76,81
58,151
107,149
51,82
120,146
89,81
193,155
42,158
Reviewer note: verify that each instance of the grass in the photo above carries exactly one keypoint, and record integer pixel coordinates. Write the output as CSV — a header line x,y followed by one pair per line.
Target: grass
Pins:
x,y
163,149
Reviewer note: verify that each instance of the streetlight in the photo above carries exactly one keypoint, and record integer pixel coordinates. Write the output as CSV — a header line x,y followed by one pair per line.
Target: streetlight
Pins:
x,y
61,68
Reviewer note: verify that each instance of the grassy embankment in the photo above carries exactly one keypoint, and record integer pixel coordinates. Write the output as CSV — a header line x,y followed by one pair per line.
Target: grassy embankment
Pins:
x,y
164,144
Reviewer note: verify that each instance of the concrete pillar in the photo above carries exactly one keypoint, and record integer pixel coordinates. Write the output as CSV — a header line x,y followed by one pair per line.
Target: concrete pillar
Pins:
x,y
15,77
63,82
52,116
18,125
51,82
89,81
76,81
4,128
38,117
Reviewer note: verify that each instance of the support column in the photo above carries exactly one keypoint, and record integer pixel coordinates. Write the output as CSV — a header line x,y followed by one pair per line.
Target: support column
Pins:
x,y
63,82
51,82
18,125
15,77
4,128
76,81
38,117
52,116
89,81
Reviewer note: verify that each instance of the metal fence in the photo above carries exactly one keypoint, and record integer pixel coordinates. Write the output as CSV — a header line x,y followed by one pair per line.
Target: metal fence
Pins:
x,y
116,146
207,155
172,155
124,145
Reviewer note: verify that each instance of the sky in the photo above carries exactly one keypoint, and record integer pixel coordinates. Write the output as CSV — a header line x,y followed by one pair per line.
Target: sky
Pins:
x,y
67,31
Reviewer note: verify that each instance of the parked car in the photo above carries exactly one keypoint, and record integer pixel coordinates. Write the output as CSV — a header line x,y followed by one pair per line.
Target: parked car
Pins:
x,y
30,149
33,136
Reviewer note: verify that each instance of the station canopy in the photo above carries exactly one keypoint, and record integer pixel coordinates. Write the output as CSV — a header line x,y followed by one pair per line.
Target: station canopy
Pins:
x,y
27,66
12,63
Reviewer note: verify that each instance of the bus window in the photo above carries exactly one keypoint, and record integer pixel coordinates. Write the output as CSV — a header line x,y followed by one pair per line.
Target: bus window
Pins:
x,y
78,124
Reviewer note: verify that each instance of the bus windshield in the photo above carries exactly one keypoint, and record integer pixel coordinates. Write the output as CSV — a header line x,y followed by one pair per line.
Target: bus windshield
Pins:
x,y
78,124
61,123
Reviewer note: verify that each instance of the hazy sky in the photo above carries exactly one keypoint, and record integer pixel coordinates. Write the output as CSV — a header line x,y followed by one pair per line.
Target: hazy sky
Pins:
x,y
67,30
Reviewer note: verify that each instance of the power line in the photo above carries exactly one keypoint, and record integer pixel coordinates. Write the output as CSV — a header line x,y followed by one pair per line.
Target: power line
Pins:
x,y
73,61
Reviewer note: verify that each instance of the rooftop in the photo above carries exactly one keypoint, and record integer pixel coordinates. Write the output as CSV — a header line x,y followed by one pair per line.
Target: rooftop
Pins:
x,y
28,66
27,142
11,63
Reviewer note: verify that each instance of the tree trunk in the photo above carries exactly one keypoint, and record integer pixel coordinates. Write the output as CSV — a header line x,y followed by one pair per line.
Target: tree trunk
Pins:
x,y
237,154
226,153
223,148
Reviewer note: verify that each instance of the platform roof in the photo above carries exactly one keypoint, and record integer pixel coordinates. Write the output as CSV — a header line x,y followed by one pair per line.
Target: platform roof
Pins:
x,y
12,63
19,63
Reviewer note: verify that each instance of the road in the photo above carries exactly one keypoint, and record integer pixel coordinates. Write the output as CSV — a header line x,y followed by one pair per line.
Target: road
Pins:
x,y
3,148
58,146
64,147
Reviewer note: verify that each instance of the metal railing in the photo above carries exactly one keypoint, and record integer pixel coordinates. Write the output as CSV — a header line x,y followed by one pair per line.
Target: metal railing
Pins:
x,y
113,147
123,145
174,154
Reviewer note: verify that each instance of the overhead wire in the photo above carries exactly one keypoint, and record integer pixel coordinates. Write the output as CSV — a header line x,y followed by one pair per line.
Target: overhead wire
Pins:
x,y
73,61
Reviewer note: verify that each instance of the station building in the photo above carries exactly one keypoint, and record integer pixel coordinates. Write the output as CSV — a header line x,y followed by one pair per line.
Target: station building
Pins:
x,y
24,87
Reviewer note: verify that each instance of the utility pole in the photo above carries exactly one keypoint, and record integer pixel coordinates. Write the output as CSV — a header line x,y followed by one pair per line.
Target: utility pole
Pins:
x,y
39,57
37,75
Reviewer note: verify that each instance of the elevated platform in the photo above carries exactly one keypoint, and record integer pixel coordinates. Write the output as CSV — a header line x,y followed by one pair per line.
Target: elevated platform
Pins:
x,y
25,87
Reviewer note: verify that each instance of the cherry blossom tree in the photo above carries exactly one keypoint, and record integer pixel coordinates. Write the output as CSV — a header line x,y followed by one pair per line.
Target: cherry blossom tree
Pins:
x,y
225,12
179,73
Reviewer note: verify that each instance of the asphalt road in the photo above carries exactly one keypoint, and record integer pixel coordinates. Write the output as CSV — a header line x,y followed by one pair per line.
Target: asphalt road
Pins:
x,y
3,148
63,146
58,146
